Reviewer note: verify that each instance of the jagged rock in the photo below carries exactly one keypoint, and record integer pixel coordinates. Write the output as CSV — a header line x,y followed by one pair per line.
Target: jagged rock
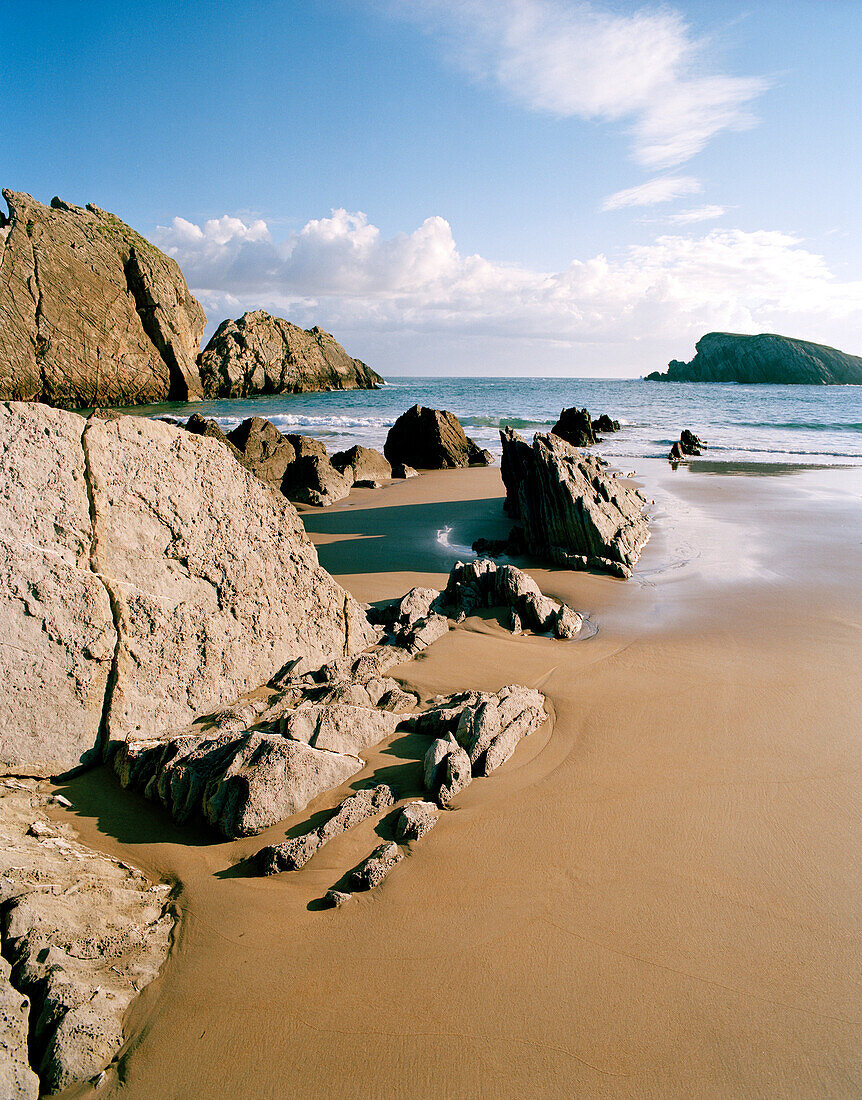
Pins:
x,y
240,783
296,852
338,728
263,449
730,357
259,353
568,623
604,423
482,583
442,717
416,819
425,632
574,512
676,454
432,439
81,950
447,770
575,426
490,730
90,312
373,870
17,1080
362,464
689,443
312,479
147,578
336,898
402,471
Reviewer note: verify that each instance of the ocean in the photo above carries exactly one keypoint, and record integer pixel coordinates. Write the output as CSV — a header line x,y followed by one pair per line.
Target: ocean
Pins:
x,y
788,425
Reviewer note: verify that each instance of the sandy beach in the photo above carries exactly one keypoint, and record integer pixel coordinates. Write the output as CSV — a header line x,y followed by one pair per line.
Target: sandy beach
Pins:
x,y
658,896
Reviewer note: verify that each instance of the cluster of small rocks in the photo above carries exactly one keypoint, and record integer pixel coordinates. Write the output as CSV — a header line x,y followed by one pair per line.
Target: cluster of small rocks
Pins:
x,y
82,935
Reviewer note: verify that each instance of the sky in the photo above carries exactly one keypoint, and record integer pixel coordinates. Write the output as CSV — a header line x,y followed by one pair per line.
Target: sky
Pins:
x,y
539,187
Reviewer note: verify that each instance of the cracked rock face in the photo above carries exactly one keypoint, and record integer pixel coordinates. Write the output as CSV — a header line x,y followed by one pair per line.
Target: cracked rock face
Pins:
x,y
90,312
573,511
147,578
84,934
258,353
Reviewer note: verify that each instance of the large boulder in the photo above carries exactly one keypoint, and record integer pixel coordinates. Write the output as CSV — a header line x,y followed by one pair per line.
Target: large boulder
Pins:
x,y
90,312
362,464
145,578
572,509
731,357
432,439
576,427
258,353
263,449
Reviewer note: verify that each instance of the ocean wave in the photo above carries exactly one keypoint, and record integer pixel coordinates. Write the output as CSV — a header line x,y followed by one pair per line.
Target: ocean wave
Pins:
x,y
288,421
480,421
803,425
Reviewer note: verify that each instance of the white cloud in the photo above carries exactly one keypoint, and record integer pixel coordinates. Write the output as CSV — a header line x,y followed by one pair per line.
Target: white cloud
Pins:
x,y
644,69
341,273
660,189
706,213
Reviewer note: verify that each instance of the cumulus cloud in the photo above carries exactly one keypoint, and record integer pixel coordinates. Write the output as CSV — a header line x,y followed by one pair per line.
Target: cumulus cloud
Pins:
x,y
660,189
340,272
644,69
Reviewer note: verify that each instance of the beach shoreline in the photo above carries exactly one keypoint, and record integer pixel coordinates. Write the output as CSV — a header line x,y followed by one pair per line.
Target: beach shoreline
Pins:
x,y
657,896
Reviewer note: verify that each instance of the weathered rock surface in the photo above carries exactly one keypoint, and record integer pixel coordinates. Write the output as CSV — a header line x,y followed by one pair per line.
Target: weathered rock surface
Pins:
x,y
90,312
373,870
362,464
240,782
416,819
730,357
447,770
573,511
432,439
17,1080
483,583
338,727
490,731
84,934
313,479
296,852
147,578
259,353
263,449
576,427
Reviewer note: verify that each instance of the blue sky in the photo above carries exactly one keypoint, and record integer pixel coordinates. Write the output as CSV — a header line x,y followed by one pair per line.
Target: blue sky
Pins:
x,y
530,186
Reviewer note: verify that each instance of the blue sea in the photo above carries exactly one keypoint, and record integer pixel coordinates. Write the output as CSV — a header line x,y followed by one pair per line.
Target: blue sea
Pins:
x,y
791,425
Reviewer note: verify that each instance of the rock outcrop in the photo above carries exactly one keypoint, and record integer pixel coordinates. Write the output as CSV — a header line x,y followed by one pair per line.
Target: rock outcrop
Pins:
x,y
432,439
83,933
259,354
373,870
687,446
90,312
778,360
362,464
576,427
146,578
572,509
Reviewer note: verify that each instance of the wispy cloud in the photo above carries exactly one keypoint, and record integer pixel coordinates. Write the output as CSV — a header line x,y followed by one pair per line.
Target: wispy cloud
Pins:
x,y
342,273
646,69
706,213
660,189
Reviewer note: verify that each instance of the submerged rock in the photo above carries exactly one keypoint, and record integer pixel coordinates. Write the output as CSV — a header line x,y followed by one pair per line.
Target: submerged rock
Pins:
x,y
90,312
259,353
432,439
573,511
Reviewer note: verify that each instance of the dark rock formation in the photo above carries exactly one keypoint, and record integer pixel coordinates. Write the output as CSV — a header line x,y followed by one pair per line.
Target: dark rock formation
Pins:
x,y
730,357
604,423
313,479
432,439
84,934
688,445
258,353
573,511
145,578
575,426
402,471
296,852
90,312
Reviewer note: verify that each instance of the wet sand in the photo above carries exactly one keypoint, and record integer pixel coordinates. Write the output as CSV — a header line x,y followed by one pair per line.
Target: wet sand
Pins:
x,y
658,896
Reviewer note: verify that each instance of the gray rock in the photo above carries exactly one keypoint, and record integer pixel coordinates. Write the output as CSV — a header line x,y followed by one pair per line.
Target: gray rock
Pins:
x,y
259,353
570,506
447,770
313,479
490,730
426,631
373,870
416,819
568,623
362,464
90,312
338,727
81,950
432,439
399,701
147,578
416,605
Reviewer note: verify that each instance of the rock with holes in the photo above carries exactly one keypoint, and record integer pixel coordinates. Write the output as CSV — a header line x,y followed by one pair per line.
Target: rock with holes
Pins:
x,y
373,870
145,578
90,312
17,1080
416,819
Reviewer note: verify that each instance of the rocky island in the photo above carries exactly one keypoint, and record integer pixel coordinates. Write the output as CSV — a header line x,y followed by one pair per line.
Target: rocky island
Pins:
x,y
92,314
767,358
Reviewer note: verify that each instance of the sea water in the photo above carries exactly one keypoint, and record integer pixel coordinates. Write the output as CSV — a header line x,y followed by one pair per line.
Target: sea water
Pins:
x,y
791,425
